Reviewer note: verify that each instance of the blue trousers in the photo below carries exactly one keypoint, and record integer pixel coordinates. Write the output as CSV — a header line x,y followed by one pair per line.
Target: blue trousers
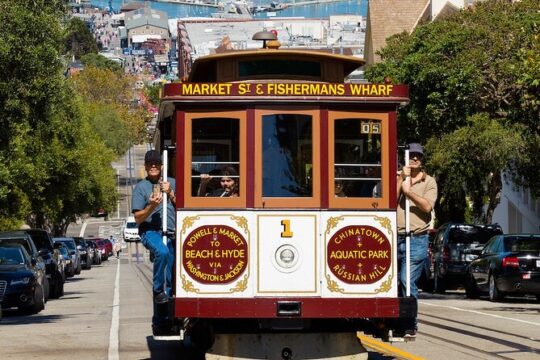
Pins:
x,y
418,256
163,260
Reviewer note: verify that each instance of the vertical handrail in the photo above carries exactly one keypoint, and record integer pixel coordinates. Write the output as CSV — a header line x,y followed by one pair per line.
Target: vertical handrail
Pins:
x,y
164,214
407,235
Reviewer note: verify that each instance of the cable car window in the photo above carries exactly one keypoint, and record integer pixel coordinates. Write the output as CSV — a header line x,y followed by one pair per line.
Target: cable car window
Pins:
x,y
279,67
216,153
287,155
357,161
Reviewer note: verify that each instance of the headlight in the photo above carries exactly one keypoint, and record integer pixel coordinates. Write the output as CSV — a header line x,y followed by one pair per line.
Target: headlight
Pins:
x,y
21,281
82,252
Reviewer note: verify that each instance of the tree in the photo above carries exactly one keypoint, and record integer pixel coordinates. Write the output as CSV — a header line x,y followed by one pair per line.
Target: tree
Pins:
x,y
101,62
53,166
79,40
461,67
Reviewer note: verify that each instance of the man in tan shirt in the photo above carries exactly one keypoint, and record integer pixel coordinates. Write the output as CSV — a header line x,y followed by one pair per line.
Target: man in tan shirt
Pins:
x,y
421,191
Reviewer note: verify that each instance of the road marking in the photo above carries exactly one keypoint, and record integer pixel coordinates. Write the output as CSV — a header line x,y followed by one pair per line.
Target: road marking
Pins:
x,y
385,348
115,321
83,228
481,313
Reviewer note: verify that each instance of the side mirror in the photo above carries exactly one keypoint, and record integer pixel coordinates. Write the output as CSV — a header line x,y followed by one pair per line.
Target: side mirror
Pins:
x,y
43,252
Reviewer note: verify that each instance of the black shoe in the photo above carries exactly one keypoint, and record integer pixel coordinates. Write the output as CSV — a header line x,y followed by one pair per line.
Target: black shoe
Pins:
x,y
161,298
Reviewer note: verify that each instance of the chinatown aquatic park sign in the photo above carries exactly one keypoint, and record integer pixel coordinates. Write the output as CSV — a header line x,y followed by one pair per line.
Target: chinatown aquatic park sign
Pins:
x,y
359,254
214,254
284,89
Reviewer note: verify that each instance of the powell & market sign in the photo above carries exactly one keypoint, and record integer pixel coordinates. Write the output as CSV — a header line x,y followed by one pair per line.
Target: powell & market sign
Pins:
x,y
283,89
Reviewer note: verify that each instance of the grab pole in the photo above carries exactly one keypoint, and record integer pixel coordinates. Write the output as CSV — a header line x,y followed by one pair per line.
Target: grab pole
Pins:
x,y
408,235
164,203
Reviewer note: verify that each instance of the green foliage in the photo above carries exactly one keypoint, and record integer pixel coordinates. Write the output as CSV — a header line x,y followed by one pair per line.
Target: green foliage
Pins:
x,y
101,62
53,167
79,40
482,60
153,93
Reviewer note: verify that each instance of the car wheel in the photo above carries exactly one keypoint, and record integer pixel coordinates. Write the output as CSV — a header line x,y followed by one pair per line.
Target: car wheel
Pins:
x,y
79,268
494,293
46,289
439,283
471,290
39,301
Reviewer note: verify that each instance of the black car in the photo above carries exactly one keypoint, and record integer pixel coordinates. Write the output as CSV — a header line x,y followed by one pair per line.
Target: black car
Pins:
x,y
508,264
53,261
69,242
454,247
21,281
23,238
86,260
69,269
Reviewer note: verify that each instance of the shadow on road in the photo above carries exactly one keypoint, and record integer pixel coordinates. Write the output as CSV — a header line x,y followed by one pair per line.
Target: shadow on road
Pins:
x,y
17,317
165,350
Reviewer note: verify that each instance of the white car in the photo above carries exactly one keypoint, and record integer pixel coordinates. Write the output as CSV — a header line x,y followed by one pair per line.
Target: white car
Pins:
x,y
131,230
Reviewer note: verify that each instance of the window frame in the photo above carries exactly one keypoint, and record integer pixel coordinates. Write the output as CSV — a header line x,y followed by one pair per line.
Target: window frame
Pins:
x,y
210,201
366,203
313,201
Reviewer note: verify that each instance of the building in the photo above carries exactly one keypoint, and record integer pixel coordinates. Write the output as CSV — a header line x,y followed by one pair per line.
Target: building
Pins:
x,y
145,23
389,17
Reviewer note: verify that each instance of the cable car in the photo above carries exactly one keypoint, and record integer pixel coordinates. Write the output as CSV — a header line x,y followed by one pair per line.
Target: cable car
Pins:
x,y
306,242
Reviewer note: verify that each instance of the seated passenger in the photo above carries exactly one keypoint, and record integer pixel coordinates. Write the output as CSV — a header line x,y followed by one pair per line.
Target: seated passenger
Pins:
x,y
228,184
338,189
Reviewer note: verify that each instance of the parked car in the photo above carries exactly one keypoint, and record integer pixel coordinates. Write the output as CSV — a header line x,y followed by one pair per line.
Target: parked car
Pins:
x,y
69,270
109,243
96,254
54,268
131,229
86,261
103,247
22,238
508,264
69,242
454,247
21,281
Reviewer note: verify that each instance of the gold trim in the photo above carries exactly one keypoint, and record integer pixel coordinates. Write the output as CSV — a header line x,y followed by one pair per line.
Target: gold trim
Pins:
x,y
332,223
188,222
241,285
385,223
188,285
386,286
241,222
333,285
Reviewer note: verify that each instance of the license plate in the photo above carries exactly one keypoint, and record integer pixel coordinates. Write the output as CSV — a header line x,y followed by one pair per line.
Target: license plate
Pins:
x,y
538,263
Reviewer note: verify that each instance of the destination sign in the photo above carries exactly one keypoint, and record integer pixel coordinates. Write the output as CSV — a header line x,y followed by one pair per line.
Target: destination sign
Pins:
x,y
214,254
359,254
281,89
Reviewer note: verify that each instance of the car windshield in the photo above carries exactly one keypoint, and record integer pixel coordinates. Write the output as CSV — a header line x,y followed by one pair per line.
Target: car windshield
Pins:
x,y
19,241
41,240
466,234
522,243
11,256
69,243
131,225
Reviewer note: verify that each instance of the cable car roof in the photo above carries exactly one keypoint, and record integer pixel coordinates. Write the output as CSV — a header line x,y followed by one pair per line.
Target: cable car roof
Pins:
x,y
268,64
